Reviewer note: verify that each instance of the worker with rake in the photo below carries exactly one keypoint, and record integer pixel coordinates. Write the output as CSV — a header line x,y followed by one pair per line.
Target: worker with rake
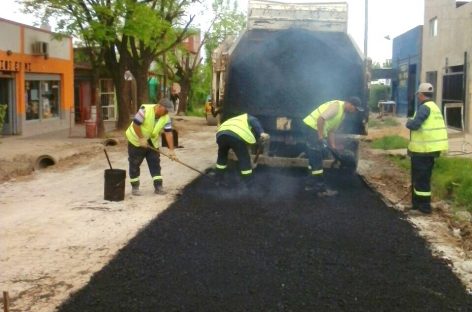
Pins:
x,y
143,142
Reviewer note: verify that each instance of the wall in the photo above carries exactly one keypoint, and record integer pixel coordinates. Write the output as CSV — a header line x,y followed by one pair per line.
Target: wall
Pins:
x,y
17,62
406,53
453,39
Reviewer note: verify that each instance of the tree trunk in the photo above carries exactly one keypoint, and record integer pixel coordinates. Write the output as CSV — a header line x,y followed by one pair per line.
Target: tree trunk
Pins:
x,y
123,106
183,97
142,86
98,104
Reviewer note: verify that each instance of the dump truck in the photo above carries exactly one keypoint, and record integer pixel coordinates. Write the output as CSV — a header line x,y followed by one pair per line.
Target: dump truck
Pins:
x,y
290,59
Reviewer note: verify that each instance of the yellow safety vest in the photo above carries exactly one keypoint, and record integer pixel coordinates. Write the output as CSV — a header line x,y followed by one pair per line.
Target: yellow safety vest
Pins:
x,y
330,124
432,135
239,125
151,128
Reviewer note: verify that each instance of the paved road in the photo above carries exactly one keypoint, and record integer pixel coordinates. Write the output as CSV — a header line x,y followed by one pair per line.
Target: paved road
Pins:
x,y
277,248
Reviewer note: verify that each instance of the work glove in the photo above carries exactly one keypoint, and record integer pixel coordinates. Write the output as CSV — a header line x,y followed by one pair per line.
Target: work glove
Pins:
x,y
172,155
264,137
143,142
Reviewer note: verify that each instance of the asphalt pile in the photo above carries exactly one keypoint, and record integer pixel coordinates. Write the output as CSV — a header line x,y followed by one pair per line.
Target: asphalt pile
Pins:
x,y
275,247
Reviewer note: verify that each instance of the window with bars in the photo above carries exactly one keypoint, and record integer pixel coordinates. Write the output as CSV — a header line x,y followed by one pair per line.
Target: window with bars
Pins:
x,y
107,99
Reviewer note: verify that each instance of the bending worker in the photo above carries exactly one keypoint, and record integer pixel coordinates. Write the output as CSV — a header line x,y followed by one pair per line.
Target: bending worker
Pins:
x,y
144,132
428,138
236,133
321,125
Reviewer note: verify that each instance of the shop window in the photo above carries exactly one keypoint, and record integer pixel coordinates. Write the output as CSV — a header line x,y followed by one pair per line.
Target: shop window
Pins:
x,y
42,99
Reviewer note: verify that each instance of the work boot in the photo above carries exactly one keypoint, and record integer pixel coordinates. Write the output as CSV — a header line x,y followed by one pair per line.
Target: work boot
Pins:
x,y
313,184
420,210
326,192
135,189
220,179
159,189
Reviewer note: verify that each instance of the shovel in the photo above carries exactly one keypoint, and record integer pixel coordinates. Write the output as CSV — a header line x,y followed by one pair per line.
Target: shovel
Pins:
x,y
178,161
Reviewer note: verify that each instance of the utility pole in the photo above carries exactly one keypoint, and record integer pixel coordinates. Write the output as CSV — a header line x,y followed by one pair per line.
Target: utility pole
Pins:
x,y
366,62
366,27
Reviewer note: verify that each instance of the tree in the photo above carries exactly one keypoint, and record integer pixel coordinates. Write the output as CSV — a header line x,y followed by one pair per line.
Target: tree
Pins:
x,y
129,34
229,22
184,64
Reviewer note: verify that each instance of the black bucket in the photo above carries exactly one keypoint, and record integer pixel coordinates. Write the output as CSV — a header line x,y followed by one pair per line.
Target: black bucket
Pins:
x,y
115,184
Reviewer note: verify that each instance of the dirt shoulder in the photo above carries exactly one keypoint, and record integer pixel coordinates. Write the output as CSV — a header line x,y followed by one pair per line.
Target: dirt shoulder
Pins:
x,y
449,238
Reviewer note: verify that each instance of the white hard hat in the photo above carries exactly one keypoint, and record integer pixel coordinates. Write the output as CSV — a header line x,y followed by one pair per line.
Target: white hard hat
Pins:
x,y
425,87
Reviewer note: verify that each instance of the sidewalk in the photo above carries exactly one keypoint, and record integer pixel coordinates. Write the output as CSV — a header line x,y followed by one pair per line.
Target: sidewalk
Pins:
x,y
21,155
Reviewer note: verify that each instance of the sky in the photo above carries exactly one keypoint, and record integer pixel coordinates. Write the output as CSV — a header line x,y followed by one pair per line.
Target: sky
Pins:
x,y
386,18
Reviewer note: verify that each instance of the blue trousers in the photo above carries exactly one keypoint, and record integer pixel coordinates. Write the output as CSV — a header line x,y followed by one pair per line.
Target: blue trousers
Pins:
x,y
421,171
239,147
136,156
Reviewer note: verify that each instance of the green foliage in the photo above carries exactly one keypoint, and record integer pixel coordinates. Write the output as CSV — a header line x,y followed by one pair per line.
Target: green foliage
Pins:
x,y
200,91
3,112
378,93
383,123
390,142
452,180
229,22
401,161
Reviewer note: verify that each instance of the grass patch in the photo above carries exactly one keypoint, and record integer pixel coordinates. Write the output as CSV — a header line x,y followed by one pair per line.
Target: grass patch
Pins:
x,y
390,142
383,123
451,179
401,161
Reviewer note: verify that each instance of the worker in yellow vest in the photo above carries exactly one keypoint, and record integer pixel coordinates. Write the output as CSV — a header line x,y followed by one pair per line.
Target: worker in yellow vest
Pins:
x,y
428,138
144,132
236,133
320,127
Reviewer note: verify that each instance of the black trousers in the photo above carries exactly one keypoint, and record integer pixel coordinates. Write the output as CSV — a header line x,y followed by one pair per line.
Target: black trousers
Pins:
x,y
136,156
421,171
314,152
227,142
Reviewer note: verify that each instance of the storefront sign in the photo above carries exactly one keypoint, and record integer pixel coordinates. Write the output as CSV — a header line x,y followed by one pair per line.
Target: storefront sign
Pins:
x,y
14,66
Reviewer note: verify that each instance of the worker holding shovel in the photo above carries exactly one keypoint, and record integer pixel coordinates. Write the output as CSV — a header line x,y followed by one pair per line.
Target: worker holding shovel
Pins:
x,y
143,142
320,127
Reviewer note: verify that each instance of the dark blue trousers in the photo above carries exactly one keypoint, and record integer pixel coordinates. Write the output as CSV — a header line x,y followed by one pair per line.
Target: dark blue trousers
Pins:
x,y
136,156
421,171
239,147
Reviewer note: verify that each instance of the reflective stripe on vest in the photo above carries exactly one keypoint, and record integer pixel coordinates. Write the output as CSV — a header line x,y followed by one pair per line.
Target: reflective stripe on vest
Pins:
x,y
432,135
240,126
330,124
150,128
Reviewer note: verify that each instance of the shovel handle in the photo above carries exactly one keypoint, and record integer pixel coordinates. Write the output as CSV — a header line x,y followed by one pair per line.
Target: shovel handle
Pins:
x,y
108,159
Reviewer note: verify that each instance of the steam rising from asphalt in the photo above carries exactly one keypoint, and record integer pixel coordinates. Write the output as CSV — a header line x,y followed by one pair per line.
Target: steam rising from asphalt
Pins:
x,y
289,73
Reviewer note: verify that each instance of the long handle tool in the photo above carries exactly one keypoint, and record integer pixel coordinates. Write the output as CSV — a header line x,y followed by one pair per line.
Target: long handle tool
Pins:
x,y
179,161
106,154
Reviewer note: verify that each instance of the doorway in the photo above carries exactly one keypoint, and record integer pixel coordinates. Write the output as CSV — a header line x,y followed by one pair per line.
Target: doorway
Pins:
x,y
7,98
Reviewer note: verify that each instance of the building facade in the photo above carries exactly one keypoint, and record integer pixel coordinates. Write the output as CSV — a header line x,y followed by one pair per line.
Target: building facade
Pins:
x,y
447,50
36,79
406,66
